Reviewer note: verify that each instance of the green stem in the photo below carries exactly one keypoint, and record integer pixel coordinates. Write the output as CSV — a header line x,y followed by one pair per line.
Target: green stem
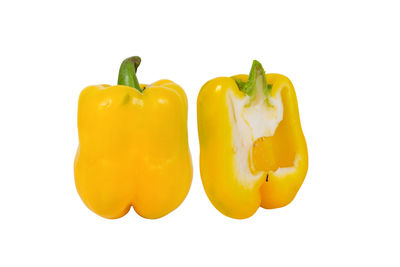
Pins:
x,y
256,82
127,73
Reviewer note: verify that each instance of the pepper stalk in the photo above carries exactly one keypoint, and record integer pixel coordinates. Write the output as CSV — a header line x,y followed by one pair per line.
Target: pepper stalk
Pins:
x,y
127,73
256,84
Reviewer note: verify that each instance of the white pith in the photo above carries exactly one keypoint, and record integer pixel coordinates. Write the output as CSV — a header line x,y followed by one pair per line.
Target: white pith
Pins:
x,y
251,118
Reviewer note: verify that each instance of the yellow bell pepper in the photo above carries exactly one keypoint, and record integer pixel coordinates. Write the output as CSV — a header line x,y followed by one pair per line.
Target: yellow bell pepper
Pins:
x,y
252,148
133,146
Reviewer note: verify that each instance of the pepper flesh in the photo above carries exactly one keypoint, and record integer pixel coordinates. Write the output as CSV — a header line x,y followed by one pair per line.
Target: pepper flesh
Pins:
x,y
277,160
133,149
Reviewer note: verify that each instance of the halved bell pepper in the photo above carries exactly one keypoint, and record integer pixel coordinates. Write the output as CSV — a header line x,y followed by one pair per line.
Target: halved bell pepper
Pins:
x,y
252,148
133,146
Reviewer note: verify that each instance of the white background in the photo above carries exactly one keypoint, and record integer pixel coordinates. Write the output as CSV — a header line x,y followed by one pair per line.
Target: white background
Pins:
x,y
343,59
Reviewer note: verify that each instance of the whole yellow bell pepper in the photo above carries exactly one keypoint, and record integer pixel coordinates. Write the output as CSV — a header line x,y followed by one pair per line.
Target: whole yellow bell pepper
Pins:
x,y
252,148
133,146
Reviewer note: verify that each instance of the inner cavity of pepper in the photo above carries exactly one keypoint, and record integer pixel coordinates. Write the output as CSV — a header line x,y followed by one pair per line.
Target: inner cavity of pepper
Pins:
x,y
268,154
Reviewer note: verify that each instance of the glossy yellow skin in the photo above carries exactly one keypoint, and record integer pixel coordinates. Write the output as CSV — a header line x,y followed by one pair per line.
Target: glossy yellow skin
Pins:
x,y
133,149
225,190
